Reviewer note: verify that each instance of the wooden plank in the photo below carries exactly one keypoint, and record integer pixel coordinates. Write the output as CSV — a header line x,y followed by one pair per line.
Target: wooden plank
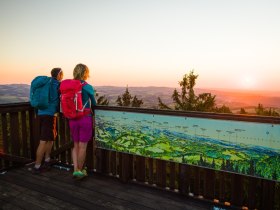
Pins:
x,y
268,193
89,156
109,193
252,192
161,173
237,192
125,167
103,161
14,132
99,160
18,197
183,177
151,171
34,133
209,179
62,149
221,178
15,159
172,175
113,167
15,107
67,139
82,198
6,138
202,181
60,140
227,182
24,148
106,161
196,177
140,169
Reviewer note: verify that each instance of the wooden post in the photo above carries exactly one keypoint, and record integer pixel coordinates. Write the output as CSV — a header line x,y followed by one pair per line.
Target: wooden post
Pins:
x,y
161,173
209,180
125,167
172,175
140,169
237,192
24,148
183,178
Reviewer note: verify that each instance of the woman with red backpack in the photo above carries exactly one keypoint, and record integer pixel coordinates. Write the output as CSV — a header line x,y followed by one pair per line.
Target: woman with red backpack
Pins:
x,y
81,126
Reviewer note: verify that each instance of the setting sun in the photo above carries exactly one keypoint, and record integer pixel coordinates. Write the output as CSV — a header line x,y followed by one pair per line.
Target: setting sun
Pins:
x,y
248,82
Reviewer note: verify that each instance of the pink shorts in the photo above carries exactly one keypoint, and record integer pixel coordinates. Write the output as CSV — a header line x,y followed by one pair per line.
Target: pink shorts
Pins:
x,y
81,129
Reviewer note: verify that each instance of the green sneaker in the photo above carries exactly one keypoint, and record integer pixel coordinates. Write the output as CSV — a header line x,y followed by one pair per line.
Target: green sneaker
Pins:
x,y
78,174
84,171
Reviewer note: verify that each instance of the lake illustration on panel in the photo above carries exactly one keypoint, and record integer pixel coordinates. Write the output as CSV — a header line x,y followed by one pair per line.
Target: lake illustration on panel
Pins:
x,y
242,147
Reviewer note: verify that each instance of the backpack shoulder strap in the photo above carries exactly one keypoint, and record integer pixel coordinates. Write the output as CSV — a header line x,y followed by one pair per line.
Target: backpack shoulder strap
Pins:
x,y
88,101
84,83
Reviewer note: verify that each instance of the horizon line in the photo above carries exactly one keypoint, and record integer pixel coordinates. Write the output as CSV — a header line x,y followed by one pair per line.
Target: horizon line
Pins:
x,y
152,86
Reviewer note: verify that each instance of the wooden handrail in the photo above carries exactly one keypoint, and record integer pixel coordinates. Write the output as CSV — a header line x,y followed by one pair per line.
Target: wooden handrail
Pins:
x,y
20,142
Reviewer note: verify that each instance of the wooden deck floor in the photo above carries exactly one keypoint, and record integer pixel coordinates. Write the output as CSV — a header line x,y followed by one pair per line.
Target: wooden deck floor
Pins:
x,y
56,189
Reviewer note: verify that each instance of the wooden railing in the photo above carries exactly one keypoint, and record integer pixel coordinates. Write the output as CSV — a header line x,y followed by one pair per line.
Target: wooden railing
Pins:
x,y
19,140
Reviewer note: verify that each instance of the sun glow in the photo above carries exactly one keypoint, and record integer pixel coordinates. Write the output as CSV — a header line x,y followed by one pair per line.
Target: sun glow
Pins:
x,y
248,82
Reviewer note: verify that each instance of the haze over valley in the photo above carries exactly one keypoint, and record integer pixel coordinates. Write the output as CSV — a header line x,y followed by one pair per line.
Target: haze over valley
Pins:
x,y
234,99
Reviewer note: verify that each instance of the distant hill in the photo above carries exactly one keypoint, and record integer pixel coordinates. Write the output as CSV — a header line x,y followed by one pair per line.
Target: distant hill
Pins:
x,y
14,93
232,98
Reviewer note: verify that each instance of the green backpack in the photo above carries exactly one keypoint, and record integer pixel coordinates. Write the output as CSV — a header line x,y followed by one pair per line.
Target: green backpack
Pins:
x,y
40,92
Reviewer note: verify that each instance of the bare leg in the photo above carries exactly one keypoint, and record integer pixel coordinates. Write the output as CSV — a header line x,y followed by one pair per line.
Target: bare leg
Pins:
x,y
75,152
82,154
40,152
49,146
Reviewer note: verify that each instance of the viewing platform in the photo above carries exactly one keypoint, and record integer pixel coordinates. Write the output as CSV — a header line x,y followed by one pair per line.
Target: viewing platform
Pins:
x,y
56,189
145,159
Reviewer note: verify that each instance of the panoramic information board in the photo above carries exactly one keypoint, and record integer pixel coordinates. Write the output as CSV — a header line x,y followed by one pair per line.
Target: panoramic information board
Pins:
x,y
249,148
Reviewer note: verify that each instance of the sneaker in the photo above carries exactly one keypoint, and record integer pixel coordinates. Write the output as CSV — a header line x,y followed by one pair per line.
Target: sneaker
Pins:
x,y
36,170
48,165
84,171
78,175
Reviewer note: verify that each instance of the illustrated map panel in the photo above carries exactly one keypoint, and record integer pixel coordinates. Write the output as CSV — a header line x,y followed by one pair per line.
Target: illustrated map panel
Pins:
x,y
248,148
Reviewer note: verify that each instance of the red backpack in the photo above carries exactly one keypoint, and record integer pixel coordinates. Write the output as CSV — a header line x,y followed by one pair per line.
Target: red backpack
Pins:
x,y
71,103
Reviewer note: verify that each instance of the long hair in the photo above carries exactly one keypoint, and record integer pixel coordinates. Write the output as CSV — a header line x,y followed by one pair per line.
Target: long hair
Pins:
x,y
81,72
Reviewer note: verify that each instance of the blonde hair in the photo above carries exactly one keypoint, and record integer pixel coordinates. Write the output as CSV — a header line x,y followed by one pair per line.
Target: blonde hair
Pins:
x,y
81,72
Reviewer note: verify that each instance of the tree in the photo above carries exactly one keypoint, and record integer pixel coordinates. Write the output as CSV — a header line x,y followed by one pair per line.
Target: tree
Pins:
x,y
125,100
161,105
187,100
223,109
205,102
260,110
136,102
242,111
102,100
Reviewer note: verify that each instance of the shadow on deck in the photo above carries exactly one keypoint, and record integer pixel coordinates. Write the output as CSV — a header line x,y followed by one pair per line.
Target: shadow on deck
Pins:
x,y
56,189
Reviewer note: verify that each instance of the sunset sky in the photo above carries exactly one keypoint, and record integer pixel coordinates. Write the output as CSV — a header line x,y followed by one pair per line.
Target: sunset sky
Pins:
x,y
229,44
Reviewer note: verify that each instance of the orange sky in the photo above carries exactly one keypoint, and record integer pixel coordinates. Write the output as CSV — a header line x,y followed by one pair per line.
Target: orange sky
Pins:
x,y
144,43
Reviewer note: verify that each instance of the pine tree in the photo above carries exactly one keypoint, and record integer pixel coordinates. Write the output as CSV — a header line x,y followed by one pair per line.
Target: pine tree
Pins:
x,y
260,110
102,100
223,109
127,100
136,102
187,100
242,111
